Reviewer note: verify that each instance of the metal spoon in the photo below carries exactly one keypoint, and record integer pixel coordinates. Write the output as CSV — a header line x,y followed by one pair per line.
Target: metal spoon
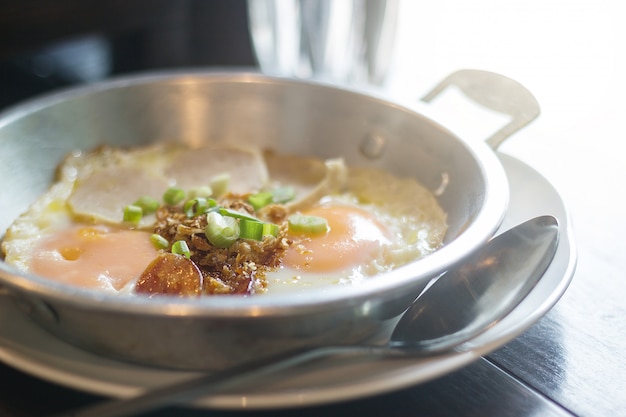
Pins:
x,y
458,306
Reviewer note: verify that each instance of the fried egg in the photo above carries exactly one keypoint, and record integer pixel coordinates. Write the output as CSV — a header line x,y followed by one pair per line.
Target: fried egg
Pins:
x,y
350,250
93,256
75,233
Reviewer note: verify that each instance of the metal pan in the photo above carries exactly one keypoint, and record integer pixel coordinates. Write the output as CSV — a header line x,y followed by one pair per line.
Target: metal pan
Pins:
x,y
287,115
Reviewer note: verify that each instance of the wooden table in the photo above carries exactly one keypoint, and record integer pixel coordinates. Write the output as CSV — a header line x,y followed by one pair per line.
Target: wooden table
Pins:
x,y
573,360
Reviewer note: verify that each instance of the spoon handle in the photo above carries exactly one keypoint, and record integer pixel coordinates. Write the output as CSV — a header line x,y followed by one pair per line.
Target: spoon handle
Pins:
x,y
191,389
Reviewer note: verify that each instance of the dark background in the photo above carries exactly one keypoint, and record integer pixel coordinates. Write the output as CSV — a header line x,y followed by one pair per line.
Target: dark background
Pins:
x,y
50,44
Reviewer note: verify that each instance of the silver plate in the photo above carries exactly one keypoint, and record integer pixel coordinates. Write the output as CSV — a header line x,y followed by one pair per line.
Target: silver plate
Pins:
x,y
22,342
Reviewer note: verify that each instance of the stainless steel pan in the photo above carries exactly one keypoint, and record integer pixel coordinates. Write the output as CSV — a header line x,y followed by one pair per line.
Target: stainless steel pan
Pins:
x,y
288,115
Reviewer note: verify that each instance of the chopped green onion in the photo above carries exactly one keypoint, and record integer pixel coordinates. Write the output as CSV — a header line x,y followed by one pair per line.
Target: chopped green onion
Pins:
x,y
221,231
255,229
133,214
159,241
299,223
180,248
282,195
250,229
236,214
173,196
202,191
260,199
148,204
219,184
211,205
270,229
195,207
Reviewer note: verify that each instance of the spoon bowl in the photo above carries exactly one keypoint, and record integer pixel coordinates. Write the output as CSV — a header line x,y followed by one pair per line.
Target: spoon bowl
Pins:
x,y
470,298
458,306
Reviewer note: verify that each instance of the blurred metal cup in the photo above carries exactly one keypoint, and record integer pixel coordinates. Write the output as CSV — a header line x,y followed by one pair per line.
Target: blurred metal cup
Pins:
x,y
341,41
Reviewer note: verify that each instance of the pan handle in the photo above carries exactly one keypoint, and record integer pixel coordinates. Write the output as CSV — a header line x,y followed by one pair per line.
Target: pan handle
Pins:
x,y
495,92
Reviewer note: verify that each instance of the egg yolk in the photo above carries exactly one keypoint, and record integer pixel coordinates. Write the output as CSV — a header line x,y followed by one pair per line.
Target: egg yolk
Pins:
x,y
94,256
354,238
